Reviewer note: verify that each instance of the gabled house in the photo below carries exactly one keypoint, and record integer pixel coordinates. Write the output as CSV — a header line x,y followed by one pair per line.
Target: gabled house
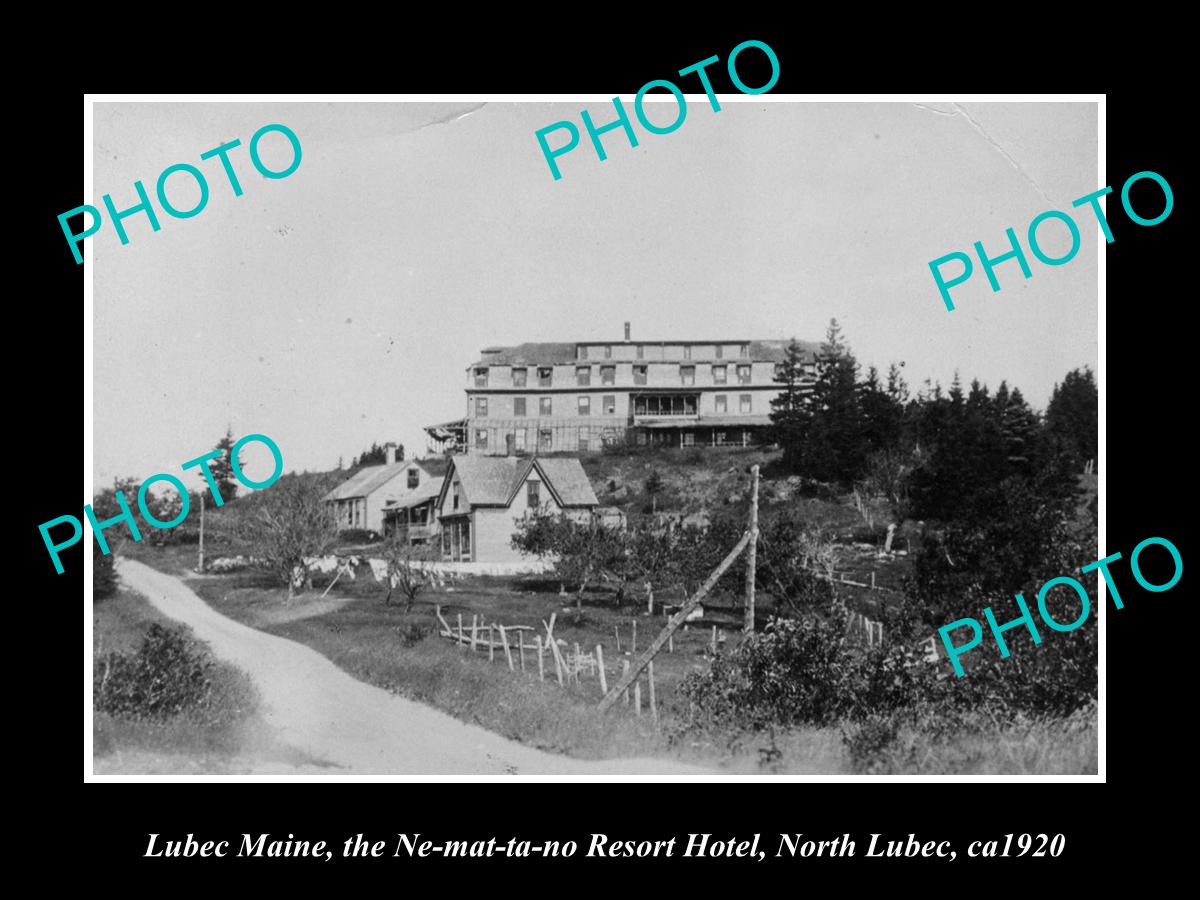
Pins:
x,y
361,501
483,498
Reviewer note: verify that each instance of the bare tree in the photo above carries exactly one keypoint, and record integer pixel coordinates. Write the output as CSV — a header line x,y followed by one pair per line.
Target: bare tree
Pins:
x,y
410,571
286,524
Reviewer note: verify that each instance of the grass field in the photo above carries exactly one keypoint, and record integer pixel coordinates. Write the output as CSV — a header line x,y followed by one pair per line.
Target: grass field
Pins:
x,y
400,652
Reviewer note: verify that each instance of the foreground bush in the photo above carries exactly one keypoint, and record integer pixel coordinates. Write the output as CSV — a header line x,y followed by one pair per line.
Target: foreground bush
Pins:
x,y
168,676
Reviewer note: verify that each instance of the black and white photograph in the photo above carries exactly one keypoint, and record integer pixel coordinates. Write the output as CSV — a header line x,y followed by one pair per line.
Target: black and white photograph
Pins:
x,y
513,436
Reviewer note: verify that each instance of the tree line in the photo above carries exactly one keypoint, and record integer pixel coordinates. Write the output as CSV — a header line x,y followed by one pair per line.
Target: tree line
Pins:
x,y
927,452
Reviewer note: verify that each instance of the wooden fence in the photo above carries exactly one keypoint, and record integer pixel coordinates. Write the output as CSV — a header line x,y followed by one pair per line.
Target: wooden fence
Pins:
x,y
526,648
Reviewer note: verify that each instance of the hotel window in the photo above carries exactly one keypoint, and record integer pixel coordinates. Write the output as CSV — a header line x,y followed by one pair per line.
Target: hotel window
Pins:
x,y
544,407
414,478
687,374
457,493
519,406
583,376
582,352
688,439
641,351
639,374
744,350
810,368
546,439
744,403
585,406
720,439
608,374
481,407
583,441
519,440
545,374
481,377
743,373
687,351
722,403
481,438
778,370
689,406
608,351
533,494
519,377
720,351
720,374
609,402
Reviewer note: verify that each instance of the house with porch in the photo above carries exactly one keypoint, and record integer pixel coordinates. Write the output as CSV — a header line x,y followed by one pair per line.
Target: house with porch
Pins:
x,y
362,501
483,497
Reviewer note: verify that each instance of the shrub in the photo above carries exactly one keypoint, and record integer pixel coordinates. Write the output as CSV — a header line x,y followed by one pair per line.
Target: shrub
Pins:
x,y
168,675
104,579
357,536
794,672
411,634
869,742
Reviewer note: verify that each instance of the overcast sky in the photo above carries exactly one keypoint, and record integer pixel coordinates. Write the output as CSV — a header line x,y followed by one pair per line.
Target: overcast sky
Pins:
x,y
341,305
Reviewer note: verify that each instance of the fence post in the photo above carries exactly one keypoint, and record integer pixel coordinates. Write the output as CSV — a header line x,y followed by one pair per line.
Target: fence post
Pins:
x,y
474,632
635,635
650,678
600,665
674,622
617,632
637,698
507,652
624,675
541,664
521,643
491,643
752,554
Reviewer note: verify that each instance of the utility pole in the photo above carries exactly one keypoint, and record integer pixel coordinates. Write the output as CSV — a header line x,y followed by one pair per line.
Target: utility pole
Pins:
x,y
752,553
200,564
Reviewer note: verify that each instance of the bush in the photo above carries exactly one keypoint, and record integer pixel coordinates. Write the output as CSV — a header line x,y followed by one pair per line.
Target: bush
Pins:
x,y
794,672
167,676
104,579
357,536
868,742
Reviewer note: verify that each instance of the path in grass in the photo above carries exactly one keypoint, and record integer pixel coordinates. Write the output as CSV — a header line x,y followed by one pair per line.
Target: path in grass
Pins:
x,y
325,713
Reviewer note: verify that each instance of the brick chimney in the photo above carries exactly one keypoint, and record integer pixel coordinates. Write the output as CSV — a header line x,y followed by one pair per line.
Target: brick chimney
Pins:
x,y
626,331
390,450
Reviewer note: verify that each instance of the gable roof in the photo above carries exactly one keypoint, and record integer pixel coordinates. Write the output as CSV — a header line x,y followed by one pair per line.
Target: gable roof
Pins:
x,y
371,478
564,476
495,480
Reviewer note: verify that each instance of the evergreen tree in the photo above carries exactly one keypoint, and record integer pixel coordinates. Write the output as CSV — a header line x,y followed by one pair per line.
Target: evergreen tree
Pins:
x,y
222,467
790,412
1072,419
376,455
1019,426
834,450
897,388
882,414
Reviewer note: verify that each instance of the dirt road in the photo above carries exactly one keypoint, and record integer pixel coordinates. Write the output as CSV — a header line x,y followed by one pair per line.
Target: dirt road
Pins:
x,y
321,711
